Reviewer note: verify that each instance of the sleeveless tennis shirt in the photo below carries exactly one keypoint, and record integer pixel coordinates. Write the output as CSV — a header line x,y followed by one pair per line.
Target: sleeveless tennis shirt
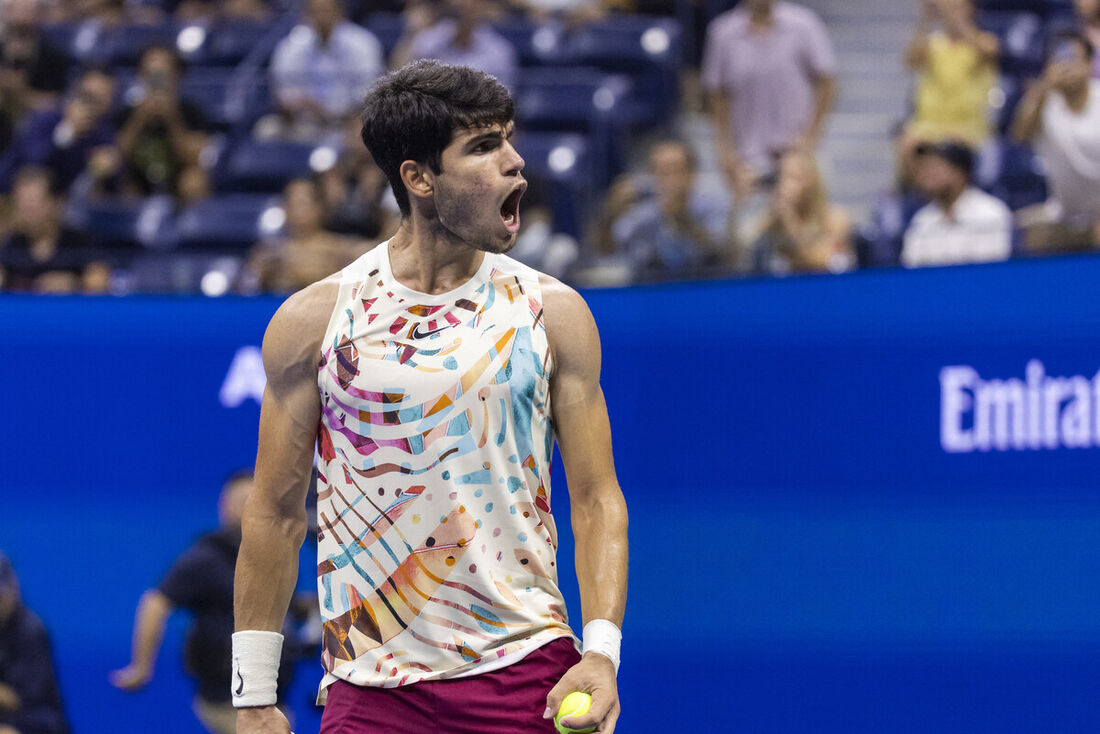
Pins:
x,y
436,544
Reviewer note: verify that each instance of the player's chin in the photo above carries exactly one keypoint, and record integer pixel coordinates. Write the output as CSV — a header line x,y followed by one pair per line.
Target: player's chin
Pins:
x,y
502,243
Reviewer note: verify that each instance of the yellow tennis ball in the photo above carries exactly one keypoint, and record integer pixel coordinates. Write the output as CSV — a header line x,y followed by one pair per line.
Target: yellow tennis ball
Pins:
x,y
576,703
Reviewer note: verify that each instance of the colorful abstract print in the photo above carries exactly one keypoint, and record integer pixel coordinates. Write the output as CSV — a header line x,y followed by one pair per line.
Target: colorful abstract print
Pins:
x,y
436,546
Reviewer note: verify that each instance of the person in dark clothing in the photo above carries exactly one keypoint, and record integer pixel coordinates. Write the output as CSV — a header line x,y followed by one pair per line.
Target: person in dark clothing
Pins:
x,y
40,254
200,581
30,700
160,135
67,139
33,73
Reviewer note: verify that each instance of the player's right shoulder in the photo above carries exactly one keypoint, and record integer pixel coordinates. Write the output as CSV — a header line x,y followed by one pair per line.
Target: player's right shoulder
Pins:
x,y
293,339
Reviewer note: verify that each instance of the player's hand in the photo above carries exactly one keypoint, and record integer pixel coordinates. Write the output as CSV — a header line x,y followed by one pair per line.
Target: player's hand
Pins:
x,y
262,720
595,675
131,678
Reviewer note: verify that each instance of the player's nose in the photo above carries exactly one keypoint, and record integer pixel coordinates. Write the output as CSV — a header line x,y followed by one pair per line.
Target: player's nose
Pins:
x,y
513,161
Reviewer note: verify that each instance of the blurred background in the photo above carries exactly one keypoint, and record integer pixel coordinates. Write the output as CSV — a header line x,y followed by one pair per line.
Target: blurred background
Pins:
x,y
840,253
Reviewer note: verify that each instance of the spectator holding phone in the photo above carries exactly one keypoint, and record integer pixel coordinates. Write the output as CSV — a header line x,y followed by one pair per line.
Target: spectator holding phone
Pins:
x,y
1088,23
1061,114
161,135
956,66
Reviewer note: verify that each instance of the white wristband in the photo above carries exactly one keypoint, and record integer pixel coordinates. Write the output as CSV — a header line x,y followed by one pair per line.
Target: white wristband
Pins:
x,y
255,668
604,637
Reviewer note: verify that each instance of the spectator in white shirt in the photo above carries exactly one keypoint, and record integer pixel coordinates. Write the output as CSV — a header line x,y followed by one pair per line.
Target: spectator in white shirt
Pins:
x,y
320,73
961,223
1061,114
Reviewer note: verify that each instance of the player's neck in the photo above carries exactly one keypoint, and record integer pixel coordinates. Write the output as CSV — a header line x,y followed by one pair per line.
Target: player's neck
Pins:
x,y
423,260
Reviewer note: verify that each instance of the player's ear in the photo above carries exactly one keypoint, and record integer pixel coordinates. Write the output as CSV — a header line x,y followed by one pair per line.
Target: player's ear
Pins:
x,y
417,178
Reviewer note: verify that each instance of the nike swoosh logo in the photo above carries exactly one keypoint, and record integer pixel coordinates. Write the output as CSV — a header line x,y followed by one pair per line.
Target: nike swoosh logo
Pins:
x,y
240,685
417,334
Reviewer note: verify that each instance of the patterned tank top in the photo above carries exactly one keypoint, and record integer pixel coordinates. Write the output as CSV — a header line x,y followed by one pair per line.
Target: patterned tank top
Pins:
x,y
436,544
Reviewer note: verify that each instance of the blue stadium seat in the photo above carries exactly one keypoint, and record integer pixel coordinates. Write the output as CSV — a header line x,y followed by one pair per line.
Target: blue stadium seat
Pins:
x,y
579,100
225,101
1019,178
183,273
536,44
229,41
879,242
649,49
1022,40
1045,8
1003,102
227,222
121,45
387,28
561,164
123,222
266,165
61,35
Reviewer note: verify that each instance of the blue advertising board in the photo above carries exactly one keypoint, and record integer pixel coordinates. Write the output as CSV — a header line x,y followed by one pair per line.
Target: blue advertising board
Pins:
x,y
860,503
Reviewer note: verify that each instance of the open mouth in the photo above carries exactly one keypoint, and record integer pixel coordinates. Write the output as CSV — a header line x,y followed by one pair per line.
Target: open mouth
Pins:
x,y
509,210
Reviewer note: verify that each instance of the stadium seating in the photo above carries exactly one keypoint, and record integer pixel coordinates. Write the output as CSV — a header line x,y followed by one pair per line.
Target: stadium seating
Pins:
x,y
387,28
1018,177
1022,39
1045,8
266,165
648,49
226,223
159,272
225,44
96,44
535,44
579,100
123,223
563,164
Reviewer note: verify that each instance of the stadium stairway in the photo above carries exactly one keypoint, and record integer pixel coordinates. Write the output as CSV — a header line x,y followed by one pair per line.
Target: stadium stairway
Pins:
x,y
873,86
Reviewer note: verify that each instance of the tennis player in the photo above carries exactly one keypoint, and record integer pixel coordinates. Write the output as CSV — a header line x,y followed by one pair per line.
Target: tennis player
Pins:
x,y
433,375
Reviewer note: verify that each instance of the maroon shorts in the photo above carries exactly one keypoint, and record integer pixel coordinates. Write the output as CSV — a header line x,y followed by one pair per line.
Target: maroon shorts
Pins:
x,y
505,701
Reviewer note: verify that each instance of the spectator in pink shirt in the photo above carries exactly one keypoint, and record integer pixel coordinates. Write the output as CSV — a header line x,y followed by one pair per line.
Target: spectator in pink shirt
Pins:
x,y
768,69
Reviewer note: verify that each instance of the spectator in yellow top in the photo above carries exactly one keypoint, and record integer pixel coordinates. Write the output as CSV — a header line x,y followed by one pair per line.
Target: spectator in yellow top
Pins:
x,y
956,65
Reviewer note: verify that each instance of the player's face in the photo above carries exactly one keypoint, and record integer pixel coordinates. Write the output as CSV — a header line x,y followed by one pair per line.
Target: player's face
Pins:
x,y
478,190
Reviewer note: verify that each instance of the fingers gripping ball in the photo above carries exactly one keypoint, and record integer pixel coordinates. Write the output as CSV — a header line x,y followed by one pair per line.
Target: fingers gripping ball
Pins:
x,y
576,703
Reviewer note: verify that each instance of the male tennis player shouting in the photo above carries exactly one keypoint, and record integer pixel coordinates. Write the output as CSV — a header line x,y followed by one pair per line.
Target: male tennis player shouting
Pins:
x,y
433,375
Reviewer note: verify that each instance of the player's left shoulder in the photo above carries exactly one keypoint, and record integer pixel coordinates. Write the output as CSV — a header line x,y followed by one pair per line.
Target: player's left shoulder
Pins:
x,y
564,307
570,327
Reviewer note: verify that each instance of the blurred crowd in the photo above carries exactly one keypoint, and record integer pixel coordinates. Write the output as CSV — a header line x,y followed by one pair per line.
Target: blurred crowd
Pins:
x,y
201,146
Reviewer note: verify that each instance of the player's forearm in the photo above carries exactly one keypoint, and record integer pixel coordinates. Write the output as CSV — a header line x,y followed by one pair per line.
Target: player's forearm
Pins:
x,y
267,569
600,532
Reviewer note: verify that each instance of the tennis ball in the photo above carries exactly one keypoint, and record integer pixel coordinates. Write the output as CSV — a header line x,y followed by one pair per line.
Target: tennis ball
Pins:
x,y
576,703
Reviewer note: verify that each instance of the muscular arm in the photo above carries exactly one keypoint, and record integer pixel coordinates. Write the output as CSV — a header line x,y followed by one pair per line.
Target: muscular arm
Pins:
x,y
274,523
599,516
